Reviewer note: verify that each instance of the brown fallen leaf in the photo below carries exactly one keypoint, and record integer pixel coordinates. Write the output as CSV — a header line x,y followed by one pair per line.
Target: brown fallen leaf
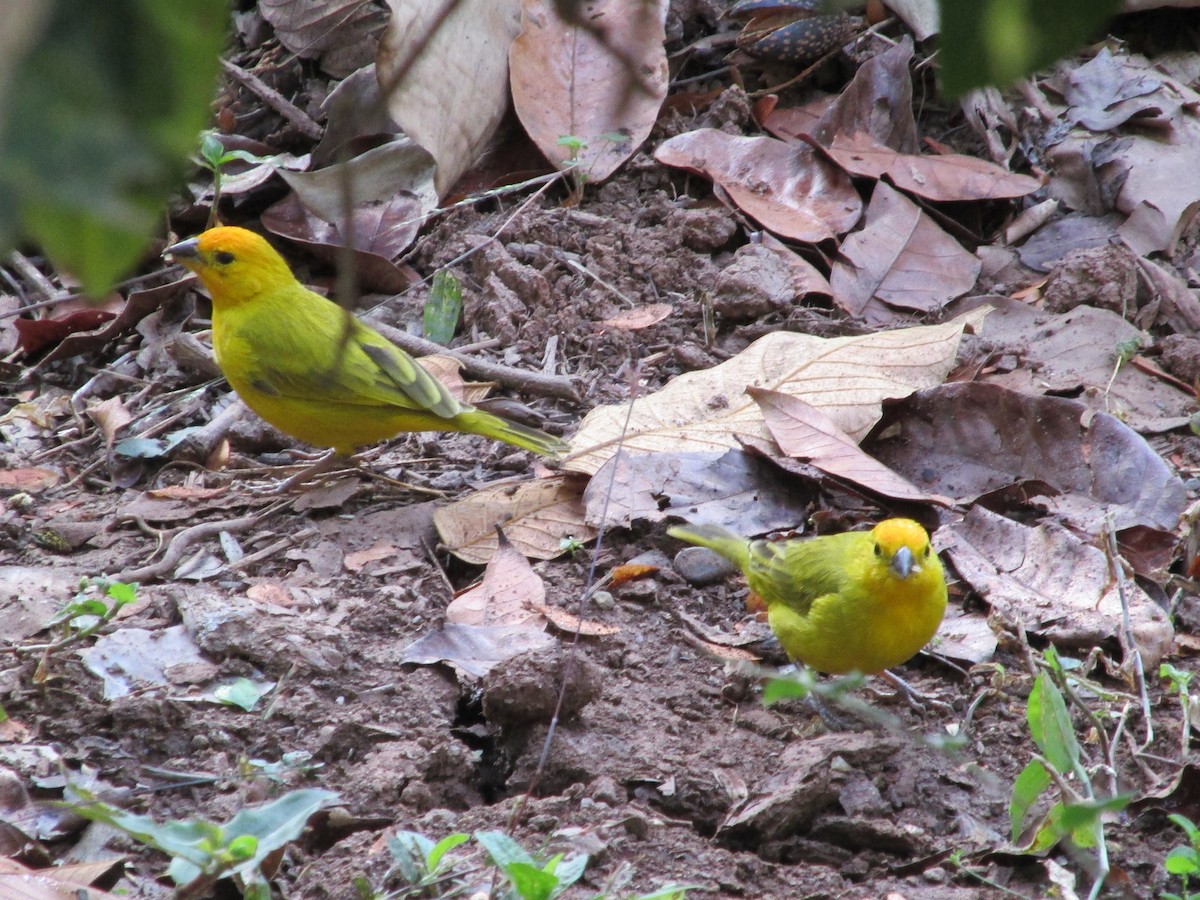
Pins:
x,y
804,432
572,624
619,575
510,593
598,81
642,317
900,260
788,188
537,516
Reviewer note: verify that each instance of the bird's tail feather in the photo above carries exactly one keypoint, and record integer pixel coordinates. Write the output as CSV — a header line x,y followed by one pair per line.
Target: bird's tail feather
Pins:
x,y
714,537
476,421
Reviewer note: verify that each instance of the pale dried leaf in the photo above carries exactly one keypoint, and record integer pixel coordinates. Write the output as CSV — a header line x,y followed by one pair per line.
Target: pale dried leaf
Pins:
x,y
455,92
111,416
923,17
789,189
510,593
474,650
536,515
847,377
641,317
601,83
572,624
804,432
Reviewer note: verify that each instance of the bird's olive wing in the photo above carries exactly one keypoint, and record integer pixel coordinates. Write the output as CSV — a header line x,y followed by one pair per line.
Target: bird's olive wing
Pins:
x,y
796,572
363,369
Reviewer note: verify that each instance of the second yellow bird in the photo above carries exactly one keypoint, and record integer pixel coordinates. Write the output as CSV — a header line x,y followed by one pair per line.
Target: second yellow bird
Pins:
x,y
313,370
860,601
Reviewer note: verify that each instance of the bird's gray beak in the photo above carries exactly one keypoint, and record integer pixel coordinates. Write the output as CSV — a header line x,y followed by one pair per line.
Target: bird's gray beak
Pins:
x,y
903,562
189,249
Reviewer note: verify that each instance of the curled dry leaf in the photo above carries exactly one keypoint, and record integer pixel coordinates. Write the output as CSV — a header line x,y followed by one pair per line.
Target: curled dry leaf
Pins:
x,y
510,593
940,178
847,377
474,650
447,66
968,439
900,259
537,516
1054,584
1076,352
341,33
642,317
804,432
572,624
789,189
595,73
728,488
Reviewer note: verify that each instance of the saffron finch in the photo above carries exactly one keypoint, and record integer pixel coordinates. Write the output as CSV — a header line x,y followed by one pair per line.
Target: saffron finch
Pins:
x,y
860,601
312,369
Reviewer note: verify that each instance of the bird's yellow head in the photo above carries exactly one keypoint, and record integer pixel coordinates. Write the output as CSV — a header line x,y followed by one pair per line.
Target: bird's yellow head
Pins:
x,y
235,265
903,546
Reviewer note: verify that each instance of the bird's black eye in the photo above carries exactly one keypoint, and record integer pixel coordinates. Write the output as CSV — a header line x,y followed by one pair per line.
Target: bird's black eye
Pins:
x,y
224,257
878,550
928,550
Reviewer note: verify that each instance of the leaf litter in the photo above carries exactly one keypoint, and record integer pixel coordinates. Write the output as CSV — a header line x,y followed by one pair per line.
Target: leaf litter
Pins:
x,y
1023,425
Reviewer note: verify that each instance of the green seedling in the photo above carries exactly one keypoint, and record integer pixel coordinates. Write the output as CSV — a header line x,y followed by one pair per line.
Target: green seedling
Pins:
x,y
439,320
87,613
1077,817
202,853
294,763
1184,860
214,157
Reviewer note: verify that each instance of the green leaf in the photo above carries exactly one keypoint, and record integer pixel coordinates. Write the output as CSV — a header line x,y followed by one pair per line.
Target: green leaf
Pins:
x,y
93,140
530,882
998,41
1188,826
433,857
570,870
442,310
242,693
1030,784
1050,725
502,849
1183,861
121,592
410,850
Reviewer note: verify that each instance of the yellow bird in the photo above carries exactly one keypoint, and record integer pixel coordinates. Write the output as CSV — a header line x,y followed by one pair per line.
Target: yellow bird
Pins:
x,y
860,601
312,369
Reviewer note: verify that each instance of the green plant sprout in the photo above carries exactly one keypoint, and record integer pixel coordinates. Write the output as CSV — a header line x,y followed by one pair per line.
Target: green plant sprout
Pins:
x,y
1188,705
1076,819
1184,860
442,310
86,613
202,852
214,157
429,871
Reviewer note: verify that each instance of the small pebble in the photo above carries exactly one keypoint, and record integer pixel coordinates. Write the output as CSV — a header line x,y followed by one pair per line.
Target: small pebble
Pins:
x,y
700,566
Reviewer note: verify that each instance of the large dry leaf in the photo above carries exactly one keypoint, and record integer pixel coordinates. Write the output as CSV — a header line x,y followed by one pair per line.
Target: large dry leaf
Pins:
x,y
1077,352
939,178
732,488
341,33
454,92
509,593
789,189
474,650
804,432
901,258
382,230
847,377
1054,584
878,101
372,177
968,439
597,77
536,515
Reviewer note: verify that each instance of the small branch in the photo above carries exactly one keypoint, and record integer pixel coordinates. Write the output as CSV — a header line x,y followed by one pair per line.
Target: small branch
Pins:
x,y
295,115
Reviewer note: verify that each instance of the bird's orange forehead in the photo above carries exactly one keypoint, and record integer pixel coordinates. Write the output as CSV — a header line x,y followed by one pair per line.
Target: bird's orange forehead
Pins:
x,y
900,533
231,239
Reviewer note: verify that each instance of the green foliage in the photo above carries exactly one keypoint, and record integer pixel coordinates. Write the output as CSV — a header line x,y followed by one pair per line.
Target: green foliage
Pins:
x,y
428,870
999,41
1184,860
204,852
100,104
443,308
214,157
87,613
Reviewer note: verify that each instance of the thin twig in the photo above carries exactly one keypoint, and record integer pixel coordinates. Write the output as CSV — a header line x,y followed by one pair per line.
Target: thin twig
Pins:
x,y
303,122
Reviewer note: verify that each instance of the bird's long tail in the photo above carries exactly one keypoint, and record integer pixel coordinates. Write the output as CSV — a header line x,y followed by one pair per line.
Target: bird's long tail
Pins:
x,y
719,540
476,421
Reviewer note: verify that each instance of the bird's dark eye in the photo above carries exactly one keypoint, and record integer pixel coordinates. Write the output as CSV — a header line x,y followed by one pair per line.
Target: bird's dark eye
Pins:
x,y
878,550
928,550
224,257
